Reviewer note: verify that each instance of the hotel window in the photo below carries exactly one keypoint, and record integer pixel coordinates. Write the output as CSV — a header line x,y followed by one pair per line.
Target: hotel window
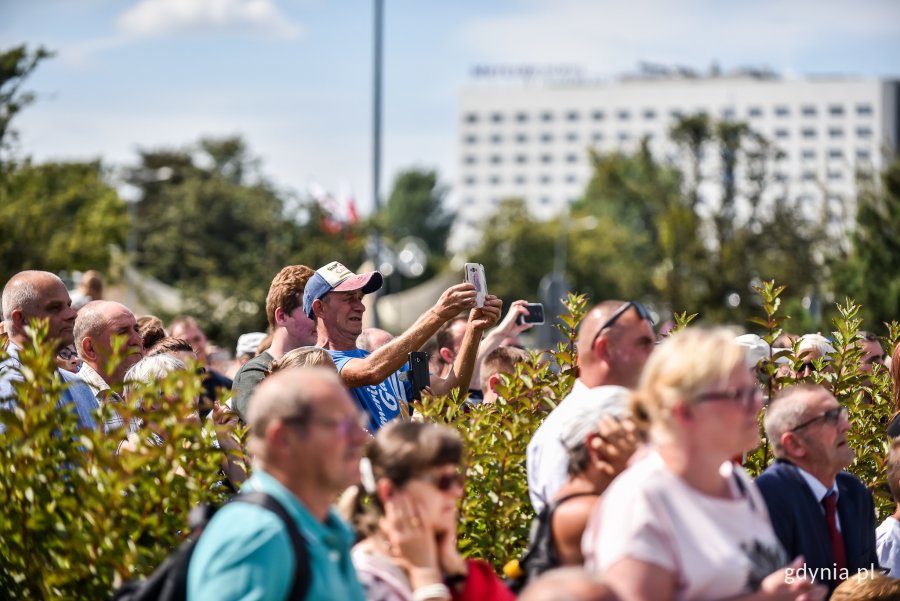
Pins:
x,y
471,181
495,180
809,176
864,132
782,111
597,137
755,111
808,111
521,159
572,136
808,132
546,137
835,153
497,117
471,139
521,117
470,160
863,153
781,133
520,179
624,136
836,110
623,115
572,116
521,138
471,118
598,116
546,158
808,153
571,158
571,178
728,114
546,179
835,132
649,114
547,116
863,110
496,139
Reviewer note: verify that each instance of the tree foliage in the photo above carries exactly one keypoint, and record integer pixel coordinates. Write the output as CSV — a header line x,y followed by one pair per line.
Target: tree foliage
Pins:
x,y
58,216
16,64
869,273
210,223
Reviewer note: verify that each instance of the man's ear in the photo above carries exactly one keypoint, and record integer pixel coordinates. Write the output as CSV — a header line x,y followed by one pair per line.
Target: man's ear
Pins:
x,y
317,307
18,319
279,316
87,349
446,355
492,382
793,444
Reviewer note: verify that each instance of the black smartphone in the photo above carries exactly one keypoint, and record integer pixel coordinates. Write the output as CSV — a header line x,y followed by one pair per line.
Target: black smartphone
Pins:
x,y
535,314
418,373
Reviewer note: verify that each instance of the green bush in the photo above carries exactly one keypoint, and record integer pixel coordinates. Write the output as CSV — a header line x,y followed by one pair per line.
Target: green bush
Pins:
x,y
78,518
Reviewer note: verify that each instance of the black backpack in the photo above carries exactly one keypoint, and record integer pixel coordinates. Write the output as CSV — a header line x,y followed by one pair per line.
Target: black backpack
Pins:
x,y
540,556
169,581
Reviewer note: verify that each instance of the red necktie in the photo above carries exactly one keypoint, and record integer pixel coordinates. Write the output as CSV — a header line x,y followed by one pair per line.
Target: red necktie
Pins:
x,y
837,541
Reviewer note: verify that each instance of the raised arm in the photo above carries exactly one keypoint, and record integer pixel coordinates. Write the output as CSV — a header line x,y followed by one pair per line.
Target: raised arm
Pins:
x,y
492,340
464,365
386,360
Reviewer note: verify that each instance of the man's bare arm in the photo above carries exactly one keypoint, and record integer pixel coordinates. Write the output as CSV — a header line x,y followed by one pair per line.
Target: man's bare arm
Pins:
x,y
507,328
376,368
464,364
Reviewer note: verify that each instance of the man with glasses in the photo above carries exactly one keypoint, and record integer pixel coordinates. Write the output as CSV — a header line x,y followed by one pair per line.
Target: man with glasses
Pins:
x,y
818,511
615,339
306,440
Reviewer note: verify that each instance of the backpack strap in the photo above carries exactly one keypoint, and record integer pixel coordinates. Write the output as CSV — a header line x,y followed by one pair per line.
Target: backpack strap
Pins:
x,y
302,571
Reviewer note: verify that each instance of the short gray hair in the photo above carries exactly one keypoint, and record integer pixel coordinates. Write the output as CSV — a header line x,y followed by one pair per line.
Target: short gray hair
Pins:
x,y
89,322
20,292
152,369
785,411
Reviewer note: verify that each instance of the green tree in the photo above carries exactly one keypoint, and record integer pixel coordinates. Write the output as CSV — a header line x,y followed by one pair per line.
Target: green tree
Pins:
x,y
416,208
58,216
16,64
869,272
211,224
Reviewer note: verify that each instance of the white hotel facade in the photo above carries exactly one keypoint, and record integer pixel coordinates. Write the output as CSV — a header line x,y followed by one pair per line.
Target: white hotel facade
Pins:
x,y
530,140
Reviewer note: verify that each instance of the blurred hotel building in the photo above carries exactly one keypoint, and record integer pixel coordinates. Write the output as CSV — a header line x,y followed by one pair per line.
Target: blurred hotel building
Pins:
x,y
529,137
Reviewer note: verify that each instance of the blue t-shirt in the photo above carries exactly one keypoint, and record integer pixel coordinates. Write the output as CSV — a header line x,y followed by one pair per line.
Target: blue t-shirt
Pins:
x,y
381,401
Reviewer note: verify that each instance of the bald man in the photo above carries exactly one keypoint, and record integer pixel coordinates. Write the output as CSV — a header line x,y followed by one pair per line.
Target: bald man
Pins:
x,y
614,341
41,295
97,328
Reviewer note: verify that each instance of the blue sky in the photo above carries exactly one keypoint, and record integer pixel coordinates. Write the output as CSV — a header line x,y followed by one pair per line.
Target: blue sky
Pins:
x,y
294,77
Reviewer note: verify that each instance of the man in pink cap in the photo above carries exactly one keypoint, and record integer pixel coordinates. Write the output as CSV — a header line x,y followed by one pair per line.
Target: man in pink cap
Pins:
x,y
333,298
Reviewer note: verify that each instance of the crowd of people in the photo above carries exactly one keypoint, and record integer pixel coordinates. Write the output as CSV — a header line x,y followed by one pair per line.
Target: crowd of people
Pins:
x,y
635,476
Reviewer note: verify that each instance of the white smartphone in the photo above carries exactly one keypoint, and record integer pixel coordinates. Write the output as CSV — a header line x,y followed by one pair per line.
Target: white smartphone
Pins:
x,y
475,276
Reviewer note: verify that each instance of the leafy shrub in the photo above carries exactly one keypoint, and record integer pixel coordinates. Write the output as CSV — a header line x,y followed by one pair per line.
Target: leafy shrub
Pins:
x,y
77,516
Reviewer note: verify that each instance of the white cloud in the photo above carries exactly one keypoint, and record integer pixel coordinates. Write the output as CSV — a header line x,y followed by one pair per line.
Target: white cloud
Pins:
x,y
164,17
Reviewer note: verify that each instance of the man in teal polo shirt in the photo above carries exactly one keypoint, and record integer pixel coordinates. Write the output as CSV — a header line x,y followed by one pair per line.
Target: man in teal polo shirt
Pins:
x,y
306,441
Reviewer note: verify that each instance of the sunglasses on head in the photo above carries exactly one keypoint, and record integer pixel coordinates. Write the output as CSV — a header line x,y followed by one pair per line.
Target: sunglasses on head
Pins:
x,y
444,482
641,310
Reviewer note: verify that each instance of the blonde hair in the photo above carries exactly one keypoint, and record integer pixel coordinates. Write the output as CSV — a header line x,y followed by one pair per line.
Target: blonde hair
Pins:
x,y
305,356
685,365
867,586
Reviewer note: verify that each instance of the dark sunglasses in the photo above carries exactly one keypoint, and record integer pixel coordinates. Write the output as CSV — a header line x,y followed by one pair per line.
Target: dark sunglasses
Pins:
x,y
444,482
66,354
830,417
642,312
746,397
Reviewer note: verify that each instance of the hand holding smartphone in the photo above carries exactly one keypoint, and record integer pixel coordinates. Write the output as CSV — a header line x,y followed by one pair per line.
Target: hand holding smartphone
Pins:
x,y
474,273
535,314
418,373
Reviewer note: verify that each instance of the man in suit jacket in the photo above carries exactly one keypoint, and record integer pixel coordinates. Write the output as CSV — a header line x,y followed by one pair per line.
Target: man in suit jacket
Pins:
x,y
808,431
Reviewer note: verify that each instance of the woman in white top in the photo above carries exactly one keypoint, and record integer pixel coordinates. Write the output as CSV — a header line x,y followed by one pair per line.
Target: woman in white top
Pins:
x,y
684,522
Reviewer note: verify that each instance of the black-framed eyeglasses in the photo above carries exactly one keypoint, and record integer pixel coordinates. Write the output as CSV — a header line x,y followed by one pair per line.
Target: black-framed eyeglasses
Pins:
x,y
444,482
344,425
830,417
642,312
66,354
746,397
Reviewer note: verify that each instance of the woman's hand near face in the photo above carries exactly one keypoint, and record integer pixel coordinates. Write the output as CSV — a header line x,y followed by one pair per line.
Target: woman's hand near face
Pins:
x,y
412,541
